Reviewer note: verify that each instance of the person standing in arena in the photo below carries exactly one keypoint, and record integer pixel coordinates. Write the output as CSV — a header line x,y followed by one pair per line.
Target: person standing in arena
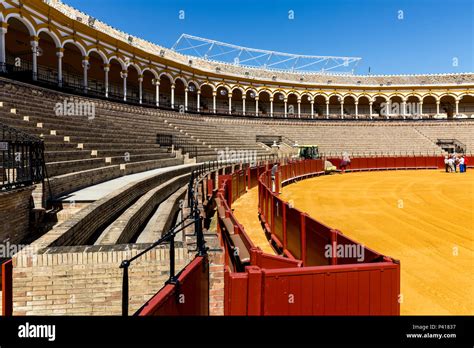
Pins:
x,y
462,168
452,165
346,161
274,171
446,163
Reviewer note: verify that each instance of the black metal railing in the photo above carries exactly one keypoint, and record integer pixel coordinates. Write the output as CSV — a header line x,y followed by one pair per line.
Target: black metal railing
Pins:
x,y
193,218
21,158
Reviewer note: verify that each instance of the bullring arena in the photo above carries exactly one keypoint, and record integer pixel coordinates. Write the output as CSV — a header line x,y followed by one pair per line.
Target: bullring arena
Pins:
x,y
134,175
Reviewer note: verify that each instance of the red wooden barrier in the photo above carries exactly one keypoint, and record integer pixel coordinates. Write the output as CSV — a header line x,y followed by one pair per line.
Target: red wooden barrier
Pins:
x,y
7,288
293,232
191,297
362,283
363,289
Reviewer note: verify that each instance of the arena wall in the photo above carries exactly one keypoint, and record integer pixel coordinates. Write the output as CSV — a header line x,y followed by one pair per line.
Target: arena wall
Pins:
x,y
15,215
87,280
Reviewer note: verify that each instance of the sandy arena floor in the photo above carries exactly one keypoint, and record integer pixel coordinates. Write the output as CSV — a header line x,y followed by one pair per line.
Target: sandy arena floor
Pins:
x,y
423,218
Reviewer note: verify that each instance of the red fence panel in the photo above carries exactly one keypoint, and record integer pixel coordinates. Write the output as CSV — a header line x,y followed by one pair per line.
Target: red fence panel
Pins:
x,y
293,232
242,184
351,252
253,172
268,261
318,237
400,162
235,293
420,161
7,288
381,162
367,289
431,161
364,163
390,162
277,228
410,162
193,287
372,162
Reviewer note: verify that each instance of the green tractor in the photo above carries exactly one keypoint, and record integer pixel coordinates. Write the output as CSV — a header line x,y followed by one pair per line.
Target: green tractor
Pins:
x,y
308,151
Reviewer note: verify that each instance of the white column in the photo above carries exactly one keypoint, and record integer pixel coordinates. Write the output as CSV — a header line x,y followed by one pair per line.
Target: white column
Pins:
x,y
357,109
312,108
34,49
214,108
123,75
457,107
172,95
157,92
106,73
256,106
85,66
140,88
186,99
388,106
60,55
327,109
342,108
271,107
230,103
370,109
3,31
437,107
404,108
198,100
243,105
420,108
299,108
286,107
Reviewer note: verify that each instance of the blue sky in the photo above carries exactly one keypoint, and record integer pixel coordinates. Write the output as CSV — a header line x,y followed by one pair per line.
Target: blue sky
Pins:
x,y
432,35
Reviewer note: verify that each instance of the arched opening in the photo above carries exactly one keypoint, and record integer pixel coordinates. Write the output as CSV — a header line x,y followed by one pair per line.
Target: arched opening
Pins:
x,y
466,105
349,105
429,105
192,96
305,106
250,102
73,71
19,56
396,106
47,58
237,101
149,88
278,104
447,105
363,106
292,106
133,94
96,74
179,94
206,98
165,91
320,106
412,108
222,100
379,107
115,79
335,106
264,103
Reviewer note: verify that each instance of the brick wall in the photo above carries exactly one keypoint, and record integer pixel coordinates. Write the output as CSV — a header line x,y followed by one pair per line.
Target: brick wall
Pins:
x,y
87,280
14,214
